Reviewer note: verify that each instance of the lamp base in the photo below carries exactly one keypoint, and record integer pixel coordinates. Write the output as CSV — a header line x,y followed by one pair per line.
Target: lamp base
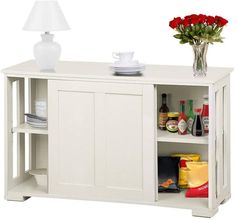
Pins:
x,y
47,52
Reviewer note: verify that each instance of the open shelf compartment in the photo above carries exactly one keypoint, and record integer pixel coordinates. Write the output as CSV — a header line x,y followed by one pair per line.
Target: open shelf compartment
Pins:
x,y
29,144
168,143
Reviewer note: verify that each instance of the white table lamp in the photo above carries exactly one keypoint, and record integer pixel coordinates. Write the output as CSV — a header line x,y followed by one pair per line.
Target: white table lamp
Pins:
x,y
46,16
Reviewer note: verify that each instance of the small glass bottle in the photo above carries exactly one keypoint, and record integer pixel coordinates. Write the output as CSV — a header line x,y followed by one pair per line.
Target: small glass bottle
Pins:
x,y
197,129
190,116
163,111
205,114
182,125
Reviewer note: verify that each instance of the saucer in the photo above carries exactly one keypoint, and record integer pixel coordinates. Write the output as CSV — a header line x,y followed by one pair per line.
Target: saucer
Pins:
x,y
134,70
128,74
127,65
124,64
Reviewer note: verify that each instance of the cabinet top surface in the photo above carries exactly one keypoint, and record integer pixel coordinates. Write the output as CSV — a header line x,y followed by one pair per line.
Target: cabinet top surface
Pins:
x,y
153,74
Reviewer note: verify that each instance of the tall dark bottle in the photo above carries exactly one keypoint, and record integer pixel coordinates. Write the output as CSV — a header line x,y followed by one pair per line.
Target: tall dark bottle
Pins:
x,y
163,113
197,128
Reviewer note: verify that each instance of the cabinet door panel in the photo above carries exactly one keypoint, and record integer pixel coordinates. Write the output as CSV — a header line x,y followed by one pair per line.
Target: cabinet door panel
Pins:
x,y
124,128
76,140
101,143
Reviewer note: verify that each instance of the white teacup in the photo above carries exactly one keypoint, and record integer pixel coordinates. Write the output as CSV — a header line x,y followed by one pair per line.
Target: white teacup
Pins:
x,y
123,57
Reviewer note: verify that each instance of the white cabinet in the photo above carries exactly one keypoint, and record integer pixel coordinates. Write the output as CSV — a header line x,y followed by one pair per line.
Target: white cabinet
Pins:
x,y
102,142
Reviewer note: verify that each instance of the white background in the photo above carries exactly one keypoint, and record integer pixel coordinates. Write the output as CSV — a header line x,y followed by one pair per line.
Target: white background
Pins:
x,y
99,27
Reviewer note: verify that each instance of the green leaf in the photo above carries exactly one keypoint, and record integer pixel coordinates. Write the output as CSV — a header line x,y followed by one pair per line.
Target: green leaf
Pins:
x,y
183,42
197,28
208,29
178,36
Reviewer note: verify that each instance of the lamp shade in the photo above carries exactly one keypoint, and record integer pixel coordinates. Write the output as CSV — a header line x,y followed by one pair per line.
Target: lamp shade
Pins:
x,y
46,16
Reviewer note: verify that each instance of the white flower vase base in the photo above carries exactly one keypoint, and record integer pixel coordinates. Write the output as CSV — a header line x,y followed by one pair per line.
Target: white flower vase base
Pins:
x,y
47,52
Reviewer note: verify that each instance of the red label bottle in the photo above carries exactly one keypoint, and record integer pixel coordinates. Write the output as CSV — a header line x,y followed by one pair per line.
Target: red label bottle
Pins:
x,y
182,120
205,114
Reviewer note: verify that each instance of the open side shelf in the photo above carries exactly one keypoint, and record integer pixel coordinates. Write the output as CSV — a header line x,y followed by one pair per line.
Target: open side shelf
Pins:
x,y
25,128
165,136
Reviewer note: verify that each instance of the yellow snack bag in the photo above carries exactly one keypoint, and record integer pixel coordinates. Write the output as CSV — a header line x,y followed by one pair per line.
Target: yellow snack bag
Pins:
x,y
197,173
183,177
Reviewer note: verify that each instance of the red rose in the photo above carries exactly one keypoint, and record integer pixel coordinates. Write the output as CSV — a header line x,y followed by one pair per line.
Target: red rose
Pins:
x,y
175,22
221,21
210,20
190,16
195,19
202,18
186,22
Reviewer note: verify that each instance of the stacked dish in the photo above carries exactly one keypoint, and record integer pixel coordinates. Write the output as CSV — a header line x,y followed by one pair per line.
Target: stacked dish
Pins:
x,y
125,65
132,68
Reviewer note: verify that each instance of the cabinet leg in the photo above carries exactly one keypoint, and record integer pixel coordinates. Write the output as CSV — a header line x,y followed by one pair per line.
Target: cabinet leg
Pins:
x,y
226,199
17,198
208,213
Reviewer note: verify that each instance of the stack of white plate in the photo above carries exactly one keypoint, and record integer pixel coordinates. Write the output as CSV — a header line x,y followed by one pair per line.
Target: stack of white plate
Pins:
x,y
132,68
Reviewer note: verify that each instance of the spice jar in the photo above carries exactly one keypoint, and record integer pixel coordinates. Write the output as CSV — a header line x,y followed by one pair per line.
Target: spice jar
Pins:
x,y
172,122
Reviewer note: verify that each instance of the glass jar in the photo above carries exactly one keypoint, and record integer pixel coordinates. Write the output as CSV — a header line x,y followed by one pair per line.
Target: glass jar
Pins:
x,y
172,122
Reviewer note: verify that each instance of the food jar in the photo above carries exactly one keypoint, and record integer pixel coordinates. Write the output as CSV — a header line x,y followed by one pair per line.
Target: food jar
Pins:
x,y
172,122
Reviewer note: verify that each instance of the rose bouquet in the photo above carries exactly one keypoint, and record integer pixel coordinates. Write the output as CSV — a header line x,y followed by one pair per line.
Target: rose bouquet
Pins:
x,y
199,31
196,29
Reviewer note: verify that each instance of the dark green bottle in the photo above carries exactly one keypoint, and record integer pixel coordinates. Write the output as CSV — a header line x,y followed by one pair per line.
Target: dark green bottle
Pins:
x,y
190,116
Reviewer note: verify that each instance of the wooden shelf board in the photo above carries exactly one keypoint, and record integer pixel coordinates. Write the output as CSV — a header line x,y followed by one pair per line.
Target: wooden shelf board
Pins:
x,y
25,128
178,200
165,136
29,188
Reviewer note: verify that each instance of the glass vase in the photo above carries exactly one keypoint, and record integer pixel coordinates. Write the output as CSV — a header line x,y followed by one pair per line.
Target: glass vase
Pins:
x,y
200,64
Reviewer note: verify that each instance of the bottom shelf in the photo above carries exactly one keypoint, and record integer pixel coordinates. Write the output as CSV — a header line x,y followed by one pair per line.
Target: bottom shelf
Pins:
x,y
29,188
178,200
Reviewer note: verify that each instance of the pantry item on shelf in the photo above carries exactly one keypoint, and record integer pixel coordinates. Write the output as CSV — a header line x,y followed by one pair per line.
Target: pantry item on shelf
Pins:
x,y
172,122
197,129
182,120
205,114
168,174
197,179
36,121
41,108
183,178
163,113
190,116
40,176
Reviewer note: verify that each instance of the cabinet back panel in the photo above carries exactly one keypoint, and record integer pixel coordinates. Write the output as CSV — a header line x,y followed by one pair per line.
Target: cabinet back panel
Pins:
x,y
38,91
166,149
41,149
177,93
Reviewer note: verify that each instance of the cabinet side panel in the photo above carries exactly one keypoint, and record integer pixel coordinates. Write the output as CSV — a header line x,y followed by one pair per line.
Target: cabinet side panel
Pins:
x,y
212,149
